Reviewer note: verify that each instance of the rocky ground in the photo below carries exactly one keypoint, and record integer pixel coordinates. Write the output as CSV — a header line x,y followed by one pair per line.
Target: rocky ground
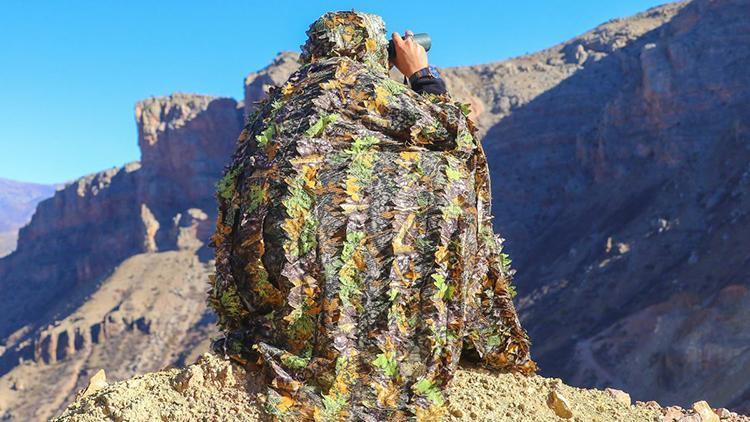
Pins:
x,y
216,389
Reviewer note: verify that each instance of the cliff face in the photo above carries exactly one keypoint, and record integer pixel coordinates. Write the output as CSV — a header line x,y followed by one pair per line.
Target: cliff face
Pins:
x,y
620,180
96,222
147,314
623,192
275,74
185,141
18,201
75,236
53,308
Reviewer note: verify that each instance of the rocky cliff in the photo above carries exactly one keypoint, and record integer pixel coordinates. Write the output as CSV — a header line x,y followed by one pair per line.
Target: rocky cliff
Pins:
x,y
17,204
96,222
59,315
184,141
275,74
620,180
623,192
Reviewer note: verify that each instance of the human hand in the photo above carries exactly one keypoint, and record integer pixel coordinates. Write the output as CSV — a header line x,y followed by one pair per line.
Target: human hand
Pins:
x,y
410,56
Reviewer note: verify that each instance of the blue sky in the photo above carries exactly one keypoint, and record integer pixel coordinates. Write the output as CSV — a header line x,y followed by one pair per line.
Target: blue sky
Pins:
x,y
71,71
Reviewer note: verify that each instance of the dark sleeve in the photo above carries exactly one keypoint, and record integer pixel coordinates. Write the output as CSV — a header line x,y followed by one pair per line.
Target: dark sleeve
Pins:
x,y
429,85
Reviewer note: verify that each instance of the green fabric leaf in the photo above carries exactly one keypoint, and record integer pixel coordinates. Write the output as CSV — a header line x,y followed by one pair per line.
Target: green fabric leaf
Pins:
x,y
266,135
317,128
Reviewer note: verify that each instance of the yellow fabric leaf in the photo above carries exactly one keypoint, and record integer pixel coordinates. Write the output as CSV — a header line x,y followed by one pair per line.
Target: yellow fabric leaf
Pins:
x,y
381,98
293,226
309,173
350,208
352,188
332,84
306,159
398,240
348,79
342,68
285,404
409,155
358,97
287,89
387,395
441,253
359,261
432,413
370,45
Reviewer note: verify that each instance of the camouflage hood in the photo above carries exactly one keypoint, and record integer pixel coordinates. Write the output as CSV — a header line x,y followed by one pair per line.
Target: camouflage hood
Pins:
x,y
359,36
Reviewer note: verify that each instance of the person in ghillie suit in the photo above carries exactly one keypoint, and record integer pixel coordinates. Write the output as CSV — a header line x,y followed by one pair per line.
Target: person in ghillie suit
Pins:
x,y
355,256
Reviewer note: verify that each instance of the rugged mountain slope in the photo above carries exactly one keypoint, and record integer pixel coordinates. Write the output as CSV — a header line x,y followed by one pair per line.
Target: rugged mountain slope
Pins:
x,y
623,191
620,179
17,203
95,223
64,310
144,316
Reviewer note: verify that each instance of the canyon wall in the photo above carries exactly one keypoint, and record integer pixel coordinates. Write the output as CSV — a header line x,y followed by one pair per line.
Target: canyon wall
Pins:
x,y
111,270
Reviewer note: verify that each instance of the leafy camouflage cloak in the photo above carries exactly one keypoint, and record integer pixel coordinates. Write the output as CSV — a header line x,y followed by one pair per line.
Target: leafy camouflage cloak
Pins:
x,y
355,256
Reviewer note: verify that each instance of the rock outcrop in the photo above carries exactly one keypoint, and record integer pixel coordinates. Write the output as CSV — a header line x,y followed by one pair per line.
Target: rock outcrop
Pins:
x,y
275,74
76,236
185,140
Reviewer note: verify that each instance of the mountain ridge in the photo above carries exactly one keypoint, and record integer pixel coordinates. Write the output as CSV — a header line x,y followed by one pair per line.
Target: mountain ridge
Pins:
x,y
18,201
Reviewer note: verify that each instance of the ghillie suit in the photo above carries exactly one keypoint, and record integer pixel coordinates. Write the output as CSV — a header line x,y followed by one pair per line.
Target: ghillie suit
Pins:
x,y
355,255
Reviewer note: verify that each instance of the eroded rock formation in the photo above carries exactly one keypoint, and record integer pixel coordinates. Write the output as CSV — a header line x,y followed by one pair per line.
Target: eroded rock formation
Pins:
x,y
54,309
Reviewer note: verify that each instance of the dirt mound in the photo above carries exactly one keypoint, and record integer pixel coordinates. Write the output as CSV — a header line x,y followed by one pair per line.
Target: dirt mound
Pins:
x,y
211,389
216,389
